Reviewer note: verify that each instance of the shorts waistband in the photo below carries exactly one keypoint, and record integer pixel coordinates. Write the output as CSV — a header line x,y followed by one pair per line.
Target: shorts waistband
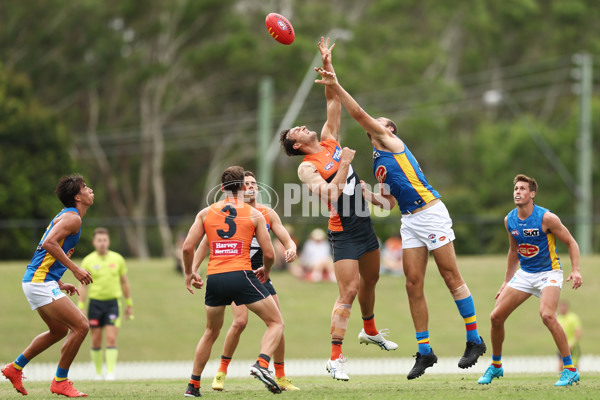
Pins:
x,y
425,207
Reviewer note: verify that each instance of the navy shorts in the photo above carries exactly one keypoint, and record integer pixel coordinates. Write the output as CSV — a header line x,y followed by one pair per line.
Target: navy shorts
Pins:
x,y
103,312
240,287
353,244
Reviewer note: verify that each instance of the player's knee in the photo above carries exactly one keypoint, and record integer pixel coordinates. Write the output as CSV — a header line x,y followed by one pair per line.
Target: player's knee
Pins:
x,y
414,286
59,332
496,318
548,318
348,295
239,325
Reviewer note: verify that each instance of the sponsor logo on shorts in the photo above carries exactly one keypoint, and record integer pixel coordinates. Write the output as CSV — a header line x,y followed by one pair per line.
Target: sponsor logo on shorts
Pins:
x,y
531,232
442,238
552,281
55,291
112,317
337,154
381,173
514,232
431,237
328,166
226,248
528,250
94,322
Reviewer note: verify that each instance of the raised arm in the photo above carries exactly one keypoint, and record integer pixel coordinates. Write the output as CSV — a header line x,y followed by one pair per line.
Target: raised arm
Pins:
x,y
283,235
552,223
328,192
377,132
383,199
331,129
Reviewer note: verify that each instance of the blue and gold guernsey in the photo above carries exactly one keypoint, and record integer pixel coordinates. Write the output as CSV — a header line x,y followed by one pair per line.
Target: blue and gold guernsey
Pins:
x,y
402,173
536,249
43,266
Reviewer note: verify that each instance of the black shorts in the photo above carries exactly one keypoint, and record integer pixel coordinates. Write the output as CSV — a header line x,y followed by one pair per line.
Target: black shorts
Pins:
x,y
268,284
353,244
103,312
241,287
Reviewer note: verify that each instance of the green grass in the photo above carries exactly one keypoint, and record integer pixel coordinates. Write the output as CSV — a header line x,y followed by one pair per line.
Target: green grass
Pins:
x,y
429,387
169,321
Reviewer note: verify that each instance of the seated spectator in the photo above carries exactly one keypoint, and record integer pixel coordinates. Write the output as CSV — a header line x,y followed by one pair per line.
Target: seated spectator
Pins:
x,y
391,256
316,257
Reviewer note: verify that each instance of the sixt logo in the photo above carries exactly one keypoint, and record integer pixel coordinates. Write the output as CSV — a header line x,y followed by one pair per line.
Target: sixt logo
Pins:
x,y
514,232
328,166
337,154
531,232
528,250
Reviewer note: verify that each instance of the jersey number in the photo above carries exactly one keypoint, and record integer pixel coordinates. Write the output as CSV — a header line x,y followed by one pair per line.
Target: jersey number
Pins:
x,y
229,220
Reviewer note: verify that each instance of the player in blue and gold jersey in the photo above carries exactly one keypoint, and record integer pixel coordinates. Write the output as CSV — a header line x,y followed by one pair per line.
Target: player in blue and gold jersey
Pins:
x,y
43,286
327,171
532,232
426,226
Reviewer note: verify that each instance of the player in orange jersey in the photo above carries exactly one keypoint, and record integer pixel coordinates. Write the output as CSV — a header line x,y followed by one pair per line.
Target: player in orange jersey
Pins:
x,y
229,226
327,171
240,312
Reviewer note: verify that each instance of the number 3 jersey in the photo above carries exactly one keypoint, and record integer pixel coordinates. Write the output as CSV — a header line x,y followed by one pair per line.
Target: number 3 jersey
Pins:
x,y
229,230
536,249
350,210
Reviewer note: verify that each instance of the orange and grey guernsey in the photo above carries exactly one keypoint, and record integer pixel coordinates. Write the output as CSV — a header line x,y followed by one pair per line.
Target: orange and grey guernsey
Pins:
x,y
229,230
402,173
350,209
43,266
256,253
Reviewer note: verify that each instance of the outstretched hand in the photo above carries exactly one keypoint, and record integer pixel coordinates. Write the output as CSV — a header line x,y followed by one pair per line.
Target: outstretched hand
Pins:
x,y
327,78
325,51
575,276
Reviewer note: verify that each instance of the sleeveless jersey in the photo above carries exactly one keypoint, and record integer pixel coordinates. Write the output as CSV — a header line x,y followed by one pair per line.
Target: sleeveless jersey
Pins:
x,y
536,249
43,266
229,230
350,209
256,253
106,273
406,181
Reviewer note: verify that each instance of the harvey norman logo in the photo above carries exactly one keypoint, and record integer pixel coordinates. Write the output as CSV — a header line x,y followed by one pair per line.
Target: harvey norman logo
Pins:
x,y
226,248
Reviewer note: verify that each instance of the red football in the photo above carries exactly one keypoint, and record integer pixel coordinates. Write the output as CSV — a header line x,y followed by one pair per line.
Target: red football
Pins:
x,y
280,28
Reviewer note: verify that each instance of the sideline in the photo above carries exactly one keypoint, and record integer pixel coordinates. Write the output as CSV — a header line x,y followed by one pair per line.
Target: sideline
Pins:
x,y
142,370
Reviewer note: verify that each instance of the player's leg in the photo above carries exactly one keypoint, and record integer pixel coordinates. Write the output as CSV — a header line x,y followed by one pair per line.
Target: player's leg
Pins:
x,y
506,303
548,305
368,265
414,261
112,351
96,351
240,320
445,258
14,371
279,358
267,310
66,312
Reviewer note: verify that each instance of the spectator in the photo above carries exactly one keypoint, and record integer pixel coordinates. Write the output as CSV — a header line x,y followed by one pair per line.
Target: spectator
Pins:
x,y
391,256
316,257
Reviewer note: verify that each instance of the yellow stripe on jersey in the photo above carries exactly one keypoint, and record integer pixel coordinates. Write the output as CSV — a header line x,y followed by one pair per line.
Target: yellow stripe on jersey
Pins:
x,y
40,274
552,250
413,179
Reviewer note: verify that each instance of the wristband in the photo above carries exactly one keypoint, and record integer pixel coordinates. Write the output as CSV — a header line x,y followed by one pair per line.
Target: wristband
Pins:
x,y
81,305
129,302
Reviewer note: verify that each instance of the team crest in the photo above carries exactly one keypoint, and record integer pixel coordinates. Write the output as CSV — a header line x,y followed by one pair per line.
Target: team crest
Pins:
x,y
329,165
381,173
70,253
528,250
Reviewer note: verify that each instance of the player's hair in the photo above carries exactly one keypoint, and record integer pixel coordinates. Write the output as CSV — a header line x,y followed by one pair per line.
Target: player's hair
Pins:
x,y
100,231
250,174
288,144
233,179
391,124
533,186
68,187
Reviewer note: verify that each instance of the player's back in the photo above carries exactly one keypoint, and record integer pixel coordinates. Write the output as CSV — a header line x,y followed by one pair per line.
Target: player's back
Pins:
x,y
229,230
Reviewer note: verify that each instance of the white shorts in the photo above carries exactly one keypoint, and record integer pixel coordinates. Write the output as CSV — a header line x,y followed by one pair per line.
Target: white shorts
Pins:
x,y
431,227
40,294
534,283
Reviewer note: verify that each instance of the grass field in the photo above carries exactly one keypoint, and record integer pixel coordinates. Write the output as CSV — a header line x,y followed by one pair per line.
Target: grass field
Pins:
x,y
169,321
429,387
